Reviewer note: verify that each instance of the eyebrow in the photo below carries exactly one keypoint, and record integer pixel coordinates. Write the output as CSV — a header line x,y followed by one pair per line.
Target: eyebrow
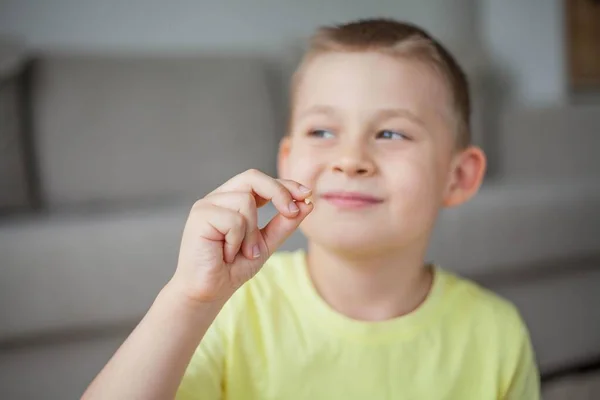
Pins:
x,y
386,113
318,109
389,113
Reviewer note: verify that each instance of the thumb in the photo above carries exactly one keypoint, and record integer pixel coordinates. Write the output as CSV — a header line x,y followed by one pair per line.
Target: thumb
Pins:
x,y
281,227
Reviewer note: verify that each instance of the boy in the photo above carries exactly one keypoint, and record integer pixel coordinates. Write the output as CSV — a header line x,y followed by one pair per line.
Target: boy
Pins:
x,y
379,132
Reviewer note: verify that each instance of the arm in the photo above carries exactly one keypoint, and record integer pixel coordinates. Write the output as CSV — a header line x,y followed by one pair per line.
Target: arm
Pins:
x,y
153,359
221,249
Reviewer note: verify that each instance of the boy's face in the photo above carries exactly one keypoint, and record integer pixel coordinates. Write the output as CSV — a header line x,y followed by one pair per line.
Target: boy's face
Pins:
x,y
373,136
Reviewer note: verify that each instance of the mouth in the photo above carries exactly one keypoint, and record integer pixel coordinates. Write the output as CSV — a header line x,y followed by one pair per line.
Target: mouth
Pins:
x,y
351,200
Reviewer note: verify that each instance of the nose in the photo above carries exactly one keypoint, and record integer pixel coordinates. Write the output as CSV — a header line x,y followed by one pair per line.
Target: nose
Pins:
x,y
354,160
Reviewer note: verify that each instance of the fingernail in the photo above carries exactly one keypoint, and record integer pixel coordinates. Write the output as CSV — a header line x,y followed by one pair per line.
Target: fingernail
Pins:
x,y
255,251
304,189
293,207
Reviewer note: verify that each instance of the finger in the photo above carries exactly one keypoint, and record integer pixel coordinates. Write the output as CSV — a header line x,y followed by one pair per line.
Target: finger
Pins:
x,y
225,225
245,204
267,188
298,191
280,227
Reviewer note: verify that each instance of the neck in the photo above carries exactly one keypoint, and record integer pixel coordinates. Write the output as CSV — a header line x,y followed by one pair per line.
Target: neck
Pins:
x,y
370,288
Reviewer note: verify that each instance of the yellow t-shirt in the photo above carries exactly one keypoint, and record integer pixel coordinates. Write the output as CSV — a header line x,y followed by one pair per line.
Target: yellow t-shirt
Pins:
x,y
277,339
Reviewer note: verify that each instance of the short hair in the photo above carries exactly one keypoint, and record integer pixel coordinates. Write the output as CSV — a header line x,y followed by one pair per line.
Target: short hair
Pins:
x,y
398,39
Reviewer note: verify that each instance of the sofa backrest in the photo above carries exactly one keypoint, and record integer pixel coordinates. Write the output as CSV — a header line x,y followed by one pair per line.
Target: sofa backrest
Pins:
x,y
14,175
550,144
145,128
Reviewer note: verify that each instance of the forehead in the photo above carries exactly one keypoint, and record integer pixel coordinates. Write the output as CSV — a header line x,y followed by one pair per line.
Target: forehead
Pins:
x,y
365,82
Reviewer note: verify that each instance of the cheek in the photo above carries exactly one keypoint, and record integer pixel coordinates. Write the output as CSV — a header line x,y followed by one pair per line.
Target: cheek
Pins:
x,y
415,183
302,167
413,186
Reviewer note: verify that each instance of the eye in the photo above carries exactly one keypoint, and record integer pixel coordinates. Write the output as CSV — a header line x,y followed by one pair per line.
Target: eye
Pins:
x,y
393,135
321,133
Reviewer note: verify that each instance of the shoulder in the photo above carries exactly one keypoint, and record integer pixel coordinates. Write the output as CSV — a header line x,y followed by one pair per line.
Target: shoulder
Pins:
x,y
496,329
481,303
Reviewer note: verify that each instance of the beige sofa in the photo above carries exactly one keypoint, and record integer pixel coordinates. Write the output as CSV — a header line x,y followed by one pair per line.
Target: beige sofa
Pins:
x,y
123,145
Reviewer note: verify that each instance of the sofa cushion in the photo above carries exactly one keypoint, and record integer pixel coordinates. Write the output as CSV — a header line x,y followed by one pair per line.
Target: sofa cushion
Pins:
x,y
580,386
117,128
511,226
61,368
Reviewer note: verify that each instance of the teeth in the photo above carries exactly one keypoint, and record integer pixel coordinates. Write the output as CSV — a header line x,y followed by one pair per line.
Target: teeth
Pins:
x,y
308,200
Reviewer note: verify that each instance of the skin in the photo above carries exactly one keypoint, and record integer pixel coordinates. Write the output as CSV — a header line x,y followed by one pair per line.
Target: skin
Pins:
x,y
371,123
389,135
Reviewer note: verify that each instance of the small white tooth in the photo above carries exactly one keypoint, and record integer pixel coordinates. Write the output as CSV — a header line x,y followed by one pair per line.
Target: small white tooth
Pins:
x,y
308,200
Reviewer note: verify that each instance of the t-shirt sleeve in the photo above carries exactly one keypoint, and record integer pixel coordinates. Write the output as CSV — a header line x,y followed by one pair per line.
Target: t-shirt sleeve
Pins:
x,y
525,381
203,378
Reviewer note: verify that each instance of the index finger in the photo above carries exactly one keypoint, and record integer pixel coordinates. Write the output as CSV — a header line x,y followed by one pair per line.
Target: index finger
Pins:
x,y
266,189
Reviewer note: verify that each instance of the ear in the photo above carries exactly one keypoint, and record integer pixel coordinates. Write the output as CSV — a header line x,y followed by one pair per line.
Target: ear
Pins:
x,y
283,155
466,175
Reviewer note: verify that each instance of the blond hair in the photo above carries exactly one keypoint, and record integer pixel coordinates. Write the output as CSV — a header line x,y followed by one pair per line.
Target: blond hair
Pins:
x,y
398,39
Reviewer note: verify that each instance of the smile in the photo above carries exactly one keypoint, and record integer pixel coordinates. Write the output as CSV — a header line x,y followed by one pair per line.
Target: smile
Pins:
x,y
351,200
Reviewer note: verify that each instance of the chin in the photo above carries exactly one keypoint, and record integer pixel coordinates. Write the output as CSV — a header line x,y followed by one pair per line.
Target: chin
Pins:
x,y
339,237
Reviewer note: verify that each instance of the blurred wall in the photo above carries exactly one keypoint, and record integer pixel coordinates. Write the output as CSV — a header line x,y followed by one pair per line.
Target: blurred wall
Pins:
x,y
264,25
526,42
530,60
